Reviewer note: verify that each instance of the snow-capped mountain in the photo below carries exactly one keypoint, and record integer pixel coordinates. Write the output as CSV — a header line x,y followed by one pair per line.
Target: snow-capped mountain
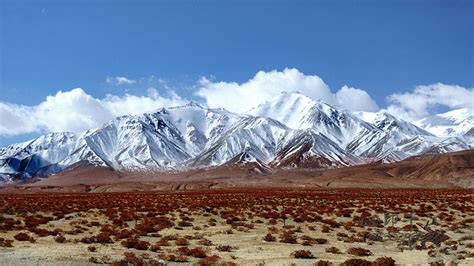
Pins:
x,y
453,123
298,111
365,136
289,130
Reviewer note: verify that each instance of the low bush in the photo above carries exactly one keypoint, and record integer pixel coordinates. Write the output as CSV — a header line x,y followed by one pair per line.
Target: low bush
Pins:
x,y
205,242
198,252
22,237
356,262
6,243
224,248
103,238
302,254
320,241
135,243
359,251
60,239
209,261
288,237
182,242
155,248
269,238
323,263
384,261
333,250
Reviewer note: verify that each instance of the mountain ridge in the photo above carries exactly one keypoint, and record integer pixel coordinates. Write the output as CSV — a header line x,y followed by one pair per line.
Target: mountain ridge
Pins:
x,y
288,131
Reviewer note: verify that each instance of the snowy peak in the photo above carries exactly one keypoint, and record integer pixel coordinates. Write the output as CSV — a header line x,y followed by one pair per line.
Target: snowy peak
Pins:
x,y
387,122
455,122
289,108
301,112
38,144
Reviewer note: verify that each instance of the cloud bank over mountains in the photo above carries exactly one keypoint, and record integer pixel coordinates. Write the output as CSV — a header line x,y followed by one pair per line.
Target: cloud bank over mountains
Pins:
x,y
418,103
265,85
76,110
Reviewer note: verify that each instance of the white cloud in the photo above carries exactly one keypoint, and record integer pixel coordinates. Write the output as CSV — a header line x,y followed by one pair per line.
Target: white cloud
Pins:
x,y
264,85
119,81
75,111
355,99
131,104
423,99
16,119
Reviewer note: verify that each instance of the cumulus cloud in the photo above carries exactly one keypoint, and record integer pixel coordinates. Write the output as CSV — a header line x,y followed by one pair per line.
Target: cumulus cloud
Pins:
x,y
424,99
16,119
119,81
75,111
264,85
355,99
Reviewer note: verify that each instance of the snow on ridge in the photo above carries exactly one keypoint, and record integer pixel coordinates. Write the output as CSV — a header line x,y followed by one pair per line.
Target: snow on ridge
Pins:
x,y
290,127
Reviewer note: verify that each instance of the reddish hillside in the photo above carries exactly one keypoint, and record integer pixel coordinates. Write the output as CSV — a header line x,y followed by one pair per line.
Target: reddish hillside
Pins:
x,y
432,171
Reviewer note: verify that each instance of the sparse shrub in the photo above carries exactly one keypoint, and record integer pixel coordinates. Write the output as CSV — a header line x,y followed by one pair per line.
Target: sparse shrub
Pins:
x,y
163,242
179,258
103,238
340,234
88,240
22,237
40,232
60,239
182,242
198,252
269,238
333,250
135,243
122,234
6,243
302,254
129,259
320,241
384,261
325,229
224,248
356,262
185,224
359,251
155,248
323,263
288,237
92,248
209,261
205,242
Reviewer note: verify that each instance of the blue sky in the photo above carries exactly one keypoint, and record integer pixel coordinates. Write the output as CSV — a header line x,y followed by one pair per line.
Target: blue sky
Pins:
x,y
381,47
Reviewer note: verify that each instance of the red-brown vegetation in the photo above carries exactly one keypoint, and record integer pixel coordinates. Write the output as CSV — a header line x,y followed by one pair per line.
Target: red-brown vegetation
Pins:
x,y
295,217
359,251
302,254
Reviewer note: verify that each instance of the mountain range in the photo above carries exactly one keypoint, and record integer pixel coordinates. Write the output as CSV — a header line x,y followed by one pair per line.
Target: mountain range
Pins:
x,y
288,131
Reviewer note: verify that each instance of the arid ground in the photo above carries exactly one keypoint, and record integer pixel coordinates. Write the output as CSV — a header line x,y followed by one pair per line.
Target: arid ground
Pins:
x,y
239,226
